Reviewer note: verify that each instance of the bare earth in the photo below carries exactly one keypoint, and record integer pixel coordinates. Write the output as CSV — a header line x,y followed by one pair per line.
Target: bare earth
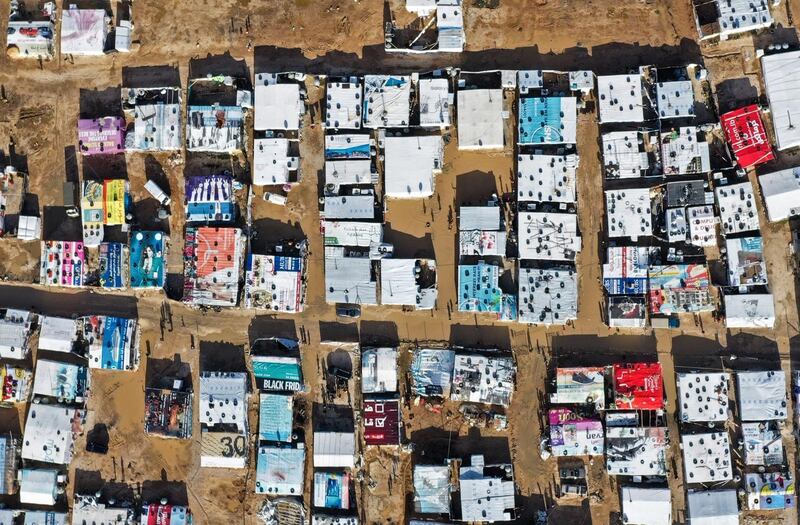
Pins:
x,y
38,119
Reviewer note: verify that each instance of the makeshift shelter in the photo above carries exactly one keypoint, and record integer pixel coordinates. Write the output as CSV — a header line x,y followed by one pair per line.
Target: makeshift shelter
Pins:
x,y
38,486
157,118
277,373
747,136
379,370
38,517
89,509
217,129
706,457
620,98
212,266
104,135
31,38
351,233
63,264
679,288
84,31
763,444
703,397
16,386
637,451
432,489
781,191
411,164
113,265
148,253
348,146
581,385
548,236
50,433
102,203
750,311
15,333
483,379
627,311
480,119
628,213
724,18
625,155
675,99
638,386
8,465
546,178
273,162
684,151
223,400
548,120
168,411
113,342
432,372
381,419
278,106
280,471
210,198
450,25
713,507
332,490
334,449
625,270
343,104
275,417
402,282
781,73
435,101
769,491
64,381
646,506
154,513
573,435
548,296
274,282
746,265
350,280
762,396
487,491
387,101
356,206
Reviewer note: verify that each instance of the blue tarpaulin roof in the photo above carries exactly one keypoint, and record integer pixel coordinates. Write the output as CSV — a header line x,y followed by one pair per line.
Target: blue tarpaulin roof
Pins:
x,y
275,418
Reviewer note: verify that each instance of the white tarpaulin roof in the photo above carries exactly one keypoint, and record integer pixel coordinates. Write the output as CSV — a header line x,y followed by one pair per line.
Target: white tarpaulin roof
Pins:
x,y
223,399
432,489
548,236
340,233
278,106
763,444
334,449
350,207
480,119
343,104
762,395
410,165
434,102
628,213
48,433
547,296
387,101
546,178
349,280
83,31
398,282
646,506
713,507
271,162
379,370
622,156
782,80
38,486
483,218
737,208
57,334
781,191
703,397
348,172
636,451
707,457
620,98
749,311
675,99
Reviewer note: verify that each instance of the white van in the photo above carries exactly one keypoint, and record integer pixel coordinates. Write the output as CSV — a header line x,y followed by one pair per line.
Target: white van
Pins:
x,y
157,193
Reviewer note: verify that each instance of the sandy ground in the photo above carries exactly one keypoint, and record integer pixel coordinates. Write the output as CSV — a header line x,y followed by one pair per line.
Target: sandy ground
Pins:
x,y
179,38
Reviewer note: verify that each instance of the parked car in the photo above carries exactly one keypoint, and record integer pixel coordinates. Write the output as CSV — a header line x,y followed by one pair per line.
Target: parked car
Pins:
x,y
348,310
